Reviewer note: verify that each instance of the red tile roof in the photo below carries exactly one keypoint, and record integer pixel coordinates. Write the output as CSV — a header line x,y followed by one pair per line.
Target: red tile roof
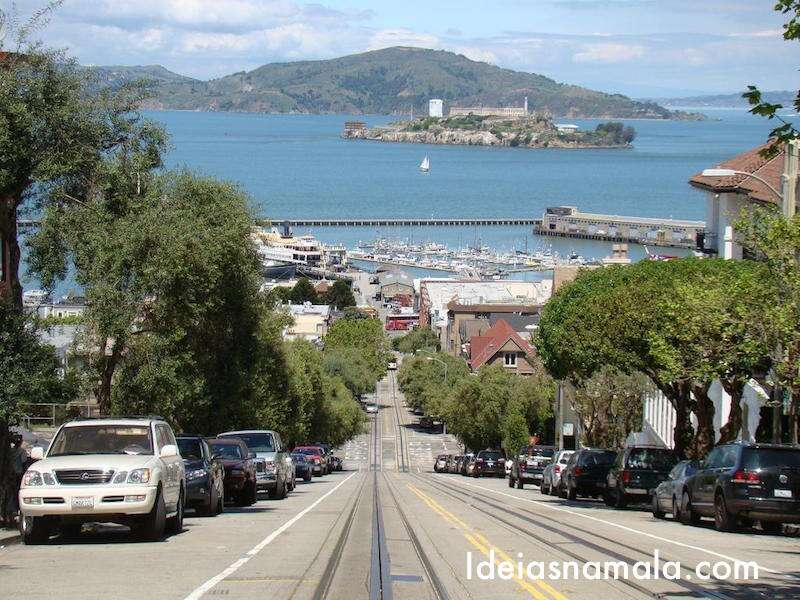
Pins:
x,y
484,347
769,169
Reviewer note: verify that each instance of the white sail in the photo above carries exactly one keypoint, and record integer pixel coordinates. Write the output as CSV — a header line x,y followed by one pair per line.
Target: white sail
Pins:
x,y
425,165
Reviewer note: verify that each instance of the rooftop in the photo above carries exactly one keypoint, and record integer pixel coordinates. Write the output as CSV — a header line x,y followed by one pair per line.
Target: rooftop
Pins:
x,y
483,347
769,169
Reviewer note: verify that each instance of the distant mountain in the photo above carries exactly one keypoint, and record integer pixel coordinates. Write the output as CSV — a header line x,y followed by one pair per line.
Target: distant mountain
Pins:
x,y
389,81
116,76
786,98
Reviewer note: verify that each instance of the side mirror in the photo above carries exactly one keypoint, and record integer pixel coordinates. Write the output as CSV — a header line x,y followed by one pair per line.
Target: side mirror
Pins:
x,y
37,453
251,455
169,451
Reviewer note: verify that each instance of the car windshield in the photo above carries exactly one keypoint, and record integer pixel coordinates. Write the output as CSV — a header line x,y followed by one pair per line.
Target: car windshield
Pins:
x,y
257,442
658,459
760,458
308,451
599,458
537,451
190,448
102,439
491,455
226,450
298,457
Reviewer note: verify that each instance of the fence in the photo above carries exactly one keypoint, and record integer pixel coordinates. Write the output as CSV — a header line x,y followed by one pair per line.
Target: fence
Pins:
x,y
50,414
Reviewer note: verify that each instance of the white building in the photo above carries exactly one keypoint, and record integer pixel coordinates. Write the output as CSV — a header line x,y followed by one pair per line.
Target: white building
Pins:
x,y
436,107
566,128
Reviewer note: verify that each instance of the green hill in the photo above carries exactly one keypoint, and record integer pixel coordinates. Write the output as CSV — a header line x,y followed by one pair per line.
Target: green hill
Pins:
x,y
391,81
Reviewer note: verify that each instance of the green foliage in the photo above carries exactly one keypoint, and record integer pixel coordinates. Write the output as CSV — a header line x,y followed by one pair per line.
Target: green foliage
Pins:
x,y
615,133
421,379
364,334
303,291
421,338
350,365
339,295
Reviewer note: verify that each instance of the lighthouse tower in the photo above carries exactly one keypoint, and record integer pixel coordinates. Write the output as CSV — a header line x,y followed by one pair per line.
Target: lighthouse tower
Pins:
x,y
526,105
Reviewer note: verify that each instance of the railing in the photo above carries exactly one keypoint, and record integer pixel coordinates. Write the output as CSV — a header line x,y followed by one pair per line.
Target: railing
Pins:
x,y
52,414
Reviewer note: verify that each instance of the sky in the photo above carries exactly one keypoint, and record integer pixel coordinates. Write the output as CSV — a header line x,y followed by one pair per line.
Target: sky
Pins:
x,y
641,48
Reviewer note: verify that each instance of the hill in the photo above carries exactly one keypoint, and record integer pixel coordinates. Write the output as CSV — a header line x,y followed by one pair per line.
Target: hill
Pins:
x,y
727,100
156,75
391,81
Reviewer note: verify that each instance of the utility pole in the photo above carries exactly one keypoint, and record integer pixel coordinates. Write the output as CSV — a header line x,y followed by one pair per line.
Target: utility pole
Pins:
x,y
789,186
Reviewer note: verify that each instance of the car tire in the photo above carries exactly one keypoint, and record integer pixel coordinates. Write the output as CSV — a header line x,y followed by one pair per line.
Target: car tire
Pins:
x,y
676,509
688,515
220,502
608,500
282,493
619,499
252,493
520,484
554,491
657,512
572,493
510,481
175,524
771,527
35,530
307,477
723,520
544,489
151,528
209,509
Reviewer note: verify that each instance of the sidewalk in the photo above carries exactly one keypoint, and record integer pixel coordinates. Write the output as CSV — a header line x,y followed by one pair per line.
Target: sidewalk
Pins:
x,y
9,537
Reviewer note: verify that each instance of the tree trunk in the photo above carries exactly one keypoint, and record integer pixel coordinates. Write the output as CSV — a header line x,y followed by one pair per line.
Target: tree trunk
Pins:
x,y
8,484
704,438
731,430
8,232
109,364
794,413
677,392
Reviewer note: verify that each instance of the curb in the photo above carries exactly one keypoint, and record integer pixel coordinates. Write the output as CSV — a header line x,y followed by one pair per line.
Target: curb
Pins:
x,y
12,540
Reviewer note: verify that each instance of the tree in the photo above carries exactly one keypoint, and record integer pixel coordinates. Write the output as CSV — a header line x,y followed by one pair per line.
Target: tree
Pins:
x,y
421,379
28,373
54,130
785,131
340,295
609,405
364,334
421,338
350,365
303,292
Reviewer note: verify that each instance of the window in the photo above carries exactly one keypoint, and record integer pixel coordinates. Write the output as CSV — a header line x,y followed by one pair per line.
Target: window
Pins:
x,y
510,359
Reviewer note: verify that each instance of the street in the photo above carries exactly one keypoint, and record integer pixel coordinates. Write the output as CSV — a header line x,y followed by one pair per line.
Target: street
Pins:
x,y
388,527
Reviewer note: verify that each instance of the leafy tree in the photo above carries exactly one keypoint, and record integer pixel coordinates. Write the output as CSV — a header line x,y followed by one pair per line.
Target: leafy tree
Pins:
x,y
350,365
302,292
280,294
28,373
422,338
421,379
340,295
54,131
364,334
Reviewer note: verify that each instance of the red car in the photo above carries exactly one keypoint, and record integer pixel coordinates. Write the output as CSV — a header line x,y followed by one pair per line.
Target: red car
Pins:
x,y
316,457
240,469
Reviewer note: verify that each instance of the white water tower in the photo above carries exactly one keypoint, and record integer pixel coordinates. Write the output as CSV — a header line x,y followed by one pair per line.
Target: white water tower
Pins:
x,y
435,107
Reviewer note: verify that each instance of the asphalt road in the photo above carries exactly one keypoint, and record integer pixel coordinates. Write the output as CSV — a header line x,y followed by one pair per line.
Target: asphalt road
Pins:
x,y
387,527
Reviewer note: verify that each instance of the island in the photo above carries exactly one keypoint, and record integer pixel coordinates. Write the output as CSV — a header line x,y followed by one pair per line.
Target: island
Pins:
x,y
529,131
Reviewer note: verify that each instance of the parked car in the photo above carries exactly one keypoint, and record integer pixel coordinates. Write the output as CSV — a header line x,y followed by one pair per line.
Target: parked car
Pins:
x,y
551,476
303,468
273,474
440,464
636,473
585,473
426,422
125,470
469,465
372,408
489,463
667,495
392,366
240,469
463,466
337,463
315,456
205,476
743,482
454,464
529,465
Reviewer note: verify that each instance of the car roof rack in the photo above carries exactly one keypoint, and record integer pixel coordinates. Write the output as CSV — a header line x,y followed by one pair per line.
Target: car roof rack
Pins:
x,y
120,418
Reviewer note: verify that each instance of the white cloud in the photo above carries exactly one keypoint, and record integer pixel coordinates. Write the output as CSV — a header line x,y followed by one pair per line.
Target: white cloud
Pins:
x,y
609,53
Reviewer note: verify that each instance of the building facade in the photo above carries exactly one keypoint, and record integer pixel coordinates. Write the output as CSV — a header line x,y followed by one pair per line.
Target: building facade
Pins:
x,y
501,345
490,111
435,107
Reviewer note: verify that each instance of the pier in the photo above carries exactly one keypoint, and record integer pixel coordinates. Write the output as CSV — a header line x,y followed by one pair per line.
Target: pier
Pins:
x,y
381,222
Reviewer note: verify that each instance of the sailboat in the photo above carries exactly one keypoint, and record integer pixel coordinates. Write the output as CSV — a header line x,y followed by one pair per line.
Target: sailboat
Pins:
x,y
425,165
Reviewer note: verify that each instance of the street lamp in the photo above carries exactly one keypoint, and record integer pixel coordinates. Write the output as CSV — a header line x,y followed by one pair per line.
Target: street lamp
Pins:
x,y
720,172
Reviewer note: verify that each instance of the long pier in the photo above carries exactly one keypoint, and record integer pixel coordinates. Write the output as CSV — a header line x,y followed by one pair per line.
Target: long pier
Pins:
x,y
381,222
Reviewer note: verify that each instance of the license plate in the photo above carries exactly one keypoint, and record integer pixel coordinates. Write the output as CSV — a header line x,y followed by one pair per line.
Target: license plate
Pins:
x,y
82,502
783,493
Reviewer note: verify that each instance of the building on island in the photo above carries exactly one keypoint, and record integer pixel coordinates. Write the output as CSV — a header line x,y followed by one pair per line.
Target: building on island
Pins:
x,y
567,128
435,107
354,126
490,111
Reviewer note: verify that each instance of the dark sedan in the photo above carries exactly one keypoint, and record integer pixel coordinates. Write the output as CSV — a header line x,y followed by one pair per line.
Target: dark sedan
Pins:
x,y
240,469
489,463
635,473
205,487
667,496
585,473
741,482
302,466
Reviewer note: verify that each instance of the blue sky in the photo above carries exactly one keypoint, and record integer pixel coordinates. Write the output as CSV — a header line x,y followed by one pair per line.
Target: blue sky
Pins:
x,y
635,47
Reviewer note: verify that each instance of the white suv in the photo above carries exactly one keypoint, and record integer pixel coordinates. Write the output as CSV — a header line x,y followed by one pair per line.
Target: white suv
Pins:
x,y
116,469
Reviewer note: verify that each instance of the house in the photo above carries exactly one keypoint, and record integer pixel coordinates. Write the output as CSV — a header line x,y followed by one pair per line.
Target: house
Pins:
x,y
309,321
567,128
465,320
397,286
726,197
500,344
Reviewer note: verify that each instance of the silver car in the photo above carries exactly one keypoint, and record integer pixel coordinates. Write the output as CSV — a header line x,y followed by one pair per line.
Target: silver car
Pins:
x,y
551,476
273,472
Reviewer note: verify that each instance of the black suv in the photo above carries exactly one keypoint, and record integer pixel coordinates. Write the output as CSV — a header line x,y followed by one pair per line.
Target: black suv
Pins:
x,y
529,465
489,463
204,475
742,482
585,473
636,472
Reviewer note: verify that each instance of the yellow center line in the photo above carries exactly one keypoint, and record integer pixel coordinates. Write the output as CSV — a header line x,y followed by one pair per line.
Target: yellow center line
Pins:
x,y
484,546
